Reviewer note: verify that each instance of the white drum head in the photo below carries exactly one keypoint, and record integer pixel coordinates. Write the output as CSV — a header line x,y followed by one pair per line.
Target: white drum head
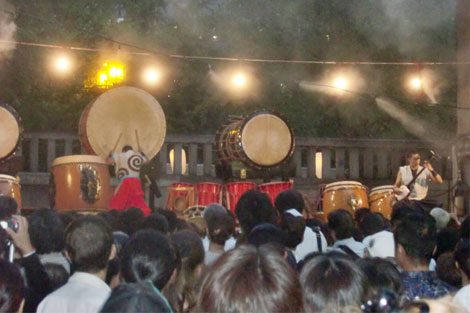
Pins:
x,y
343,185
7,178
266,139
9,132
124,110
381,189
82,159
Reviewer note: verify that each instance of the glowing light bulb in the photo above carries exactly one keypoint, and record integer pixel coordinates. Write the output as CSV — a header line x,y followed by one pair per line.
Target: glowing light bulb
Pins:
x,y
341,83
62,64
152,76
416,83
103,78
239,80
113,72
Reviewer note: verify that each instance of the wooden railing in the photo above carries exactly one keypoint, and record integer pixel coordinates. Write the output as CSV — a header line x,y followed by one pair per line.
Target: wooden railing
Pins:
x,y
356,159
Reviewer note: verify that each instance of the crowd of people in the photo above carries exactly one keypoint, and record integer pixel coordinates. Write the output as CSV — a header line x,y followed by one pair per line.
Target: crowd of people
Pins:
x,y
259,258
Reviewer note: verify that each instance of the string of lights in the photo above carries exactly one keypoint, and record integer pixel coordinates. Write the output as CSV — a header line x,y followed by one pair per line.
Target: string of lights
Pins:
x,y
233,59
152,76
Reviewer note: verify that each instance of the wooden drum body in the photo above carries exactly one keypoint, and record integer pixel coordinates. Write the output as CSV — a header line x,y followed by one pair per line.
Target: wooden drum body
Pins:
x,y
348,195
80,182
274,188
381,199
9,186
10,131
261,140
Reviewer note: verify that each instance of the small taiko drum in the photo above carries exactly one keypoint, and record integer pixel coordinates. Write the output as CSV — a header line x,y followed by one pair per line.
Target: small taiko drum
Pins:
x,y
274,188
233,192
208,193
9,186
381,199
180,190
348,195
80,182
10,131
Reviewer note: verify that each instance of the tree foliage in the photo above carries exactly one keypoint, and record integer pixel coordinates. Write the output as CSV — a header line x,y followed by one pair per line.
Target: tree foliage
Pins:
x,y
359,30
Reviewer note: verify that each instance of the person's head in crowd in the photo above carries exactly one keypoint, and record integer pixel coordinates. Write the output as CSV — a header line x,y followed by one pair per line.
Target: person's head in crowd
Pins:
x,y
57,275
46,231
294,227
462,259
313,222
157,222
359,215
341,224
68,217
441,216
372,223
130,220
274,237
8,207
220,225
182,293
465,229
250,279
381,274
399,212
12,289
446,240
170,218
148,255
141,297
447,271
180,205
254,208
415,240
267,233
289,199
89,244
111,218
332,282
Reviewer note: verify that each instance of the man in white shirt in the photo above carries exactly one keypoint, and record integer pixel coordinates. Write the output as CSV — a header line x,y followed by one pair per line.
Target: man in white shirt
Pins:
x,y
378,240
89,245
291,201
416,178
341,224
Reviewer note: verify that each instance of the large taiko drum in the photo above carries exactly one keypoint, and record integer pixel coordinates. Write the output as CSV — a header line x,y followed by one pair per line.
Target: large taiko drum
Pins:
x,y
261,140
274,188
123,116
233,192
348,195
381,199
9,186
207,193
10,131
80,182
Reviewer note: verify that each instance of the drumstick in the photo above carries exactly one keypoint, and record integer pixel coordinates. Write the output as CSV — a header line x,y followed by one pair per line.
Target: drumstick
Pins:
x,y
137,138
116,144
